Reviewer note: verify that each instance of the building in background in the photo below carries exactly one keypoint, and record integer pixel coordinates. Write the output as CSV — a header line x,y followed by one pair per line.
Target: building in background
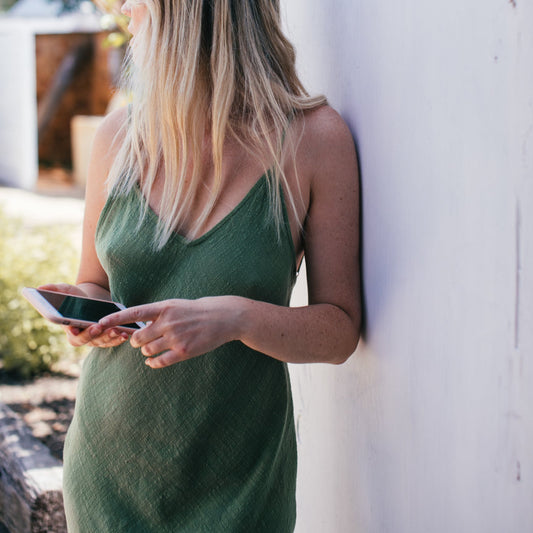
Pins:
x,y
53,67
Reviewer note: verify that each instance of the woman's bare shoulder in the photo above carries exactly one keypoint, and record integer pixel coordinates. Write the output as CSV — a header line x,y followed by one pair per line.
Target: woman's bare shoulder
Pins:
x,y
324,126
107,141
110,133
113,121
326,141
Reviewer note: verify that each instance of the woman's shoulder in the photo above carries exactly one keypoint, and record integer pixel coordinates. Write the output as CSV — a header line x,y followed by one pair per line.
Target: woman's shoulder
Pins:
x,y
106,143
325,139
325,125
323,116
110,131
115,120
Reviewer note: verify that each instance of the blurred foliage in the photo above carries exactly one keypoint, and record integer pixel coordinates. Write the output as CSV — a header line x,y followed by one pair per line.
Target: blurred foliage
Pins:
x,y
6,4
31,256
114,22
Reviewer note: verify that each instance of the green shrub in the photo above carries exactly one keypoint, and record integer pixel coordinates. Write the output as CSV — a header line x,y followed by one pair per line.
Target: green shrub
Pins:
x,y
31,256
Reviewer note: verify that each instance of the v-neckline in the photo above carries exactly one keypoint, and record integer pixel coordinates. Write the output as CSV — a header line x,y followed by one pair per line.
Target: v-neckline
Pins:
x,y
222,222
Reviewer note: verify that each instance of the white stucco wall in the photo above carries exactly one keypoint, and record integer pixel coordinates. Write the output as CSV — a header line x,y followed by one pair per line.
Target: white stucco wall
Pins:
x,y
18,107
429,426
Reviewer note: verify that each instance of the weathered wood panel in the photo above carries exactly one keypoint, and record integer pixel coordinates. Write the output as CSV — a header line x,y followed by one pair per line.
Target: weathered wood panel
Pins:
x,y
88,92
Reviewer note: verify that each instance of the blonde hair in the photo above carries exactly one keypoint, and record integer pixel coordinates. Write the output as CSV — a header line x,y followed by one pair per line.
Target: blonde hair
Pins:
x,y
222,66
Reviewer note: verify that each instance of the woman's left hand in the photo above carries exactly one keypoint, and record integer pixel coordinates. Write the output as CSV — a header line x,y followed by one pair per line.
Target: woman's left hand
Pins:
x,y
177,330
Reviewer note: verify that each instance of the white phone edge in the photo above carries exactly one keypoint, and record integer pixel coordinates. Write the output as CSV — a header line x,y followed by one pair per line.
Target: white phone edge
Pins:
x,y
49,312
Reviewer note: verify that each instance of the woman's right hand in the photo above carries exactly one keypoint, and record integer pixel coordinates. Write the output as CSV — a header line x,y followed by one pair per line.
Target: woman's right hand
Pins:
x,y
94,335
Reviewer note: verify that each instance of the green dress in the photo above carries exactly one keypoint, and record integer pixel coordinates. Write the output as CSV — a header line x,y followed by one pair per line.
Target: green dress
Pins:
x,y
205,445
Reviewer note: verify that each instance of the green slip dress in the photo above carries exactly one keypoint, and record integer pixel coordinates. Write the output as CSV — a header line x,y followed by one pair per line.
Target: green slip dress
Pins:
x,y
205,445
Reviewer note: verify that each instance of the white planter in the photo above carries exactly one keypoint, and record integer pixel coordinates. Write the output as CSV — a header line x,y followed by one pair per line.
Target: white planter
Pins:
x,y
83,129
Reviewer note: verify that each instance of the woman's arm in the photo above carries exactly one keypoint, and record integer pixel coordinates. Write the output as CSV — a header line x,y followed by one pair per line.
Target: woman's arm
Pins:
x,y
91,275
92,279
327,330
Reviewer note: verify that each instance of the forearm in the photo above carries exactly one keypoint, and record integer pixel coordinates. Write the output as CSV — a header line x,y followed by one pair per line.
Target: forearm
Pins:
x,y
93,290
320,333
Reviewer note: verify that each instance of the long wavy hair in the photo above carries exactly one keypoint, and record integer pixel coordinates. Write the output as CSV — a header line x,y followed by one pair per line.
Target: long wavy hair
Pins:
x,y
199,66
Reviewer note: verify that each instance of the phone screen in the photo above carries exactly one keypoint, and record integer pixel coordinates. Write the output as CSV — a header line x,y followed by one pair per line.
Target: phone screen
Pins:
x,y
78,308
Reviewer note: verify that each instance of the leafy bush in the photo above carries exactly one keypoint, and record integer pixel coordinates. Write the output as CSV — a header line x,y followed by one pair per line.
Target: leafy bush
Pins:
x,y
31,256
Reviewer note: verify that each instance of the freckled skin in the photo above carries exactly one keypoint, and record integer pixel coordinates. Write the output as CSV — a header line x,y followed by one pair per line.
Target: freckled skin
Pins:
x,y
327,330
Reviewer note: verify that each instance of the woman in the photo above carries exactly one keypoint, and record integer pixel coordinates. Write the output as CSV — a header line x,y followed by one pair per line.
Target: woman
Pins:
x,y
203,197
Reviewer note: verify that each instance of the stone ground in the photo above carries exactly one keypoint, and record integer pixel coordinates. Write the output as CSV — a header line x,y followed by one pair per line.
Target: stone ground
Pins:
x,y
55,200
46,403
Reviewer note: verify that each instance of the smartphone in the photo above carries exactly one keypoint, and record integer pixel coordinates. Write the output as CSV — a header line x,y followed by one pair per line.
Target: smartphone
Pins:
x,y
70,310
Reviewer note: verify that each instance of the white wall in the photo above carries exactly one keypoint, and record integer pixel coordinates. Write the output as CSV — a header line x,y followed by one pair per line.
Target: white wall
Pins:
x,y
18,107
429,426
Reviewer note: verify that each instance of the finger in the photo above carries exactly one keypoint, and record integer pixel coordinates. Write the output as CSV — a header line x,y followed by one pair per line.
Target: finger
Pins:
x,y
139,313
95,335
165,359
66,288
109,339
84,336
146,335
73,340
153,347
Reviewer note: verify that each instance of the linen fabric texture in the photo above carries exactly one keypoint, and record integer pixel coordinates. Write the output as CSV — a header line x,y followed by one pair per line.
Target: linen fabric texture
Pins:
x,y
206,444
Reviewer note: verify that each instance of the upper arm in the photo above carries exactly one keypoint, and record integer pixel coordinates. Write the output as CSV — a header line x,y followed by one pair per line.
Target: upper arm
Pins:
x,y
331,237
104,149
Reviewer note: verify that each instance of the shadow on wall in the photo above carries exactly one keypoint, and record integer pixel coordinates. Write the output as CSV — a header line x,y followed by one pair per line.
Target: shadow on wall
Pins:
x,y
405,199
4,176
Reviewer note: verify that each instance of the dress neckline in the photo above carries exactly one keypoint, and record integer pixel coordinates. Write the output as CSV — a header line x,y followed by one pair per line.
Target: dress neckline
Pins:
x,y
222,222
